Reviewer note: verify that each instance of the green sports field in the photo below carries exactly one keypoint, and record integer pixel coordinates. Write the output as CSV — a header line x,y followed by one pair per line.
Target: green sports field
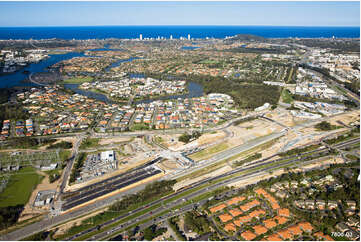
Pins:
x,y
19,187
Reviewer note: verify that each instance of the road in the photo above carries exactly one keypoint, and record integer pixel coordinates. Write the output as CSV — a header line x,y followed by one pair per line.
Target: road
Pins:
x,y
121,181
49,222
35,82
289,160
225,155
189,197
354,97
56,204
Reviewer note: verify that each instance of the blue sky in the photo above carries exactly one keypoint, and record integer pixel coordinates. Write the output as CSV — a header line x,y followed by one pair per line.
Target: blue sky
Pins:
x,y
179,13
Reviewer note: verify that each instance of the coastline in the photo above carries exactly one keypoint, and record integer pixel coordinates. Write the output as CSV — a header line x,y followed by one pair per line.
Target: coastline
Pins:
x,y
197,32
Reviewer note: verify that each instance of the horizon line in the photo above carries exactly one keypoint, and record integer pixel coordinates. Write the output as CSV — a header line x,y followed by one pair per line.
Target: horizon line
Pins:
x,y
179,25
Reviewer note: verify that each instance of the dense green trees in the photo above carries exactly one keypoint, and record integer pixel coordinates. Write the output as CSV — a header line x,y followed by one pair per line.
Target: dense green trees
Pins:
x,y
41,236
75,172
246,95
173,224
197,223
53,177
248,119
149,192
13,111
25,143
352,45
185,138
297,151
4,95
354,86
325,126
152,232
9,215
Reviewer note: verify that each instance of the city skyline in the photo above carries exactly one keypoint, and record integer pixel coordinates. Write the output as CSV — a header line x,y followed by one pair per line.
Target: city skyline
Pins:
x,y
37,14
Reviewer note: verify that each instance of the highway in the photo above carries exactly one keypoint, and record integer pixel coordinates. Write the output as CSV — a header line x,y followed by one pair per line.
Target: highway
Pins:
x,y
257,164
109,182
354,97
226,154
87,196
189,197
50,222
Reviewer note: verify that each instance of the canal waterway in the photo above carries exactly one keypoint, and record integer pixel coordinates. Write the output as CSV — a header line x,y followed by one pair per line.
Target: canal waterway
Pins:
x,y
117,63
190,47
194,90
17,78
94,95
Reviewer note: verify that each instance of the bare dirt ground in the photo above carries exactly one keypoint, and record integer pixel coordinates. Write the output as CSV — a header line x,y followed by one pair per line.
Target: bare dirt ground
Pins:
x,y
114,140
127,149
250,130
29,211
346,118
168,165
210,137
262,176
282,116
172,143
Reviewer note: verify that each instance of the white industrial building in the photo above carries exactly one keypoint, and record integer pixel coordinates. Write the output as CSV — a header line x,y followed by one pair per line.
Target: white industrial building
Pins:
x,y
108,155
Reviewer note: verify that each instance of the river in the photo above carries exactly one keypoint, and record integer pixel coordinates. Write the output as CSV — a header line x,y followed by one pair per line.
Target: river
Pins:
x,y
16,78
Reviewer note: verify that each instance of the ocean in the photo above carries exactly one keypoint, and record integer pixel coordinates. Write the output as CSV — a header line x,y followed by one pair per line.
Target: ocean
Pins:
x,y
126,32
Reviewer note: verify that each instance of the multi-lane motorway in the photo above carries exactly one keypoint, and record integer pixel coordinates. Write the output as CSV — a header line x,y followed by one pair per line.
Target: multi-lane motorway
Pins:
x,y
96,190
50,222
122,181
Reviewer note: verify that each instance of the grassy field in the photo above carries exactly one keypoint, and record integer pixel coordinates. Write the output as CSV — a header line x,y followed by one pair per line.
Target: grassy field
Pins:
x,y
209,151
141,126
64,154
79,79
286,96
20,187
290,75
208,62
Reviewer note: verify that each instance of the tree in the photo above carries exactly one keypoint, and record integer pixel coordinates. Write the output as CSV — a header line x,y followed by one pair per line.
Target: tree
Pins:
x,y
324,126
185,138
